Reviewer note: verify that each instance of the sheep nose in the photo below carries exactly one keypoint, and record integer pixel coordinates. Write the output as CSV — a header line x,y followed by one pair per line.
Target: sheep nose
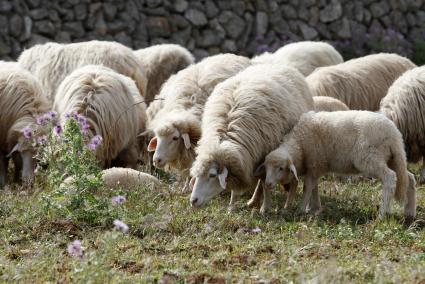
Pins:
x,y
157,162
194,201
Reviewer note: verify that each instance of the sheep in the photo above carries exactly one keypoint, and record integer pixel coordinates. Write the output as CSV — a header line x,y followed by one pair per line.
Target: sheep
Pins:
x,y
345,142
52,62
177,125
405,105
305,56
107,100
21,101
160,62
122,178
328,104
360,83
244,119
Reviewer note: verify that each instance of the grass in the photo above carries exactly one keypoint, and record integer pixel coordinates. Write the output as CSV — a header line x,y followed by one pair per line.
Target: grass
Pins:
x,y
171,242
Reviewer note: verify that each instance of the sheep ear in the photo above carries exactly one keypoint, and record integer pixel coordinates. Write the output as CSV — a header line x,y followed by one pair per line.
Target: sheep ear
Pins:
x,y
222,178
293,171
192,183
144,133
152,144
260,170
14,149
186,140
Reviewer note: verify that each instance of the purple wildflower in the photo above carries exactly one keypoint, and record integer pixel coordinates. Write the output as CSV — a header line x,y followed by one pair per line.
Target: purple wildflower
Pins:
x,y
67,116
57,129
52,114
75,249
95,142
120,225
85,128
119,199
41,140
41,120
27,132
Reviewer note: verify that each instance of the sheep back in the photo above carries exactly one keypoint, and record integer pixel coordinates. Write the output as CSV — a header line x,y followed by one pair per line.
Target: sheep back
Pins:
x,y
328,104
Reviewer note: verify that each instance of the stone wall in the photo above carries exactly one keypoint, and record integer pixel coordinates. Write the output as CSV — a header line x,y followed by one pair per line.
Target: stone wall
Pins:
x,y
208,27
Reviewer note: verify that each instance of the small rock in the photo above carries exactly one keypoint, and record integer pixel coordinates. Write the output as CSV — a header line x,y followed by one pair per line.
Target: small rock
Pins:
x,y
37,39
358,11
39,14
200,54
218,28
229,46
4,48
208,38
196,17
289,12
420,18
5,6
303,13
158,27
262,23
123,38
379,9
211,9
4,25
153,3
141,33
411,20
116,27
180,5
100,26
331,12
307,32
234,27
178,22
314,16
54,16
63,37
182,37
27,28
93,8
33,3
44,28
80,11
110,11
344,31
131,9
16,25
367,17
75,29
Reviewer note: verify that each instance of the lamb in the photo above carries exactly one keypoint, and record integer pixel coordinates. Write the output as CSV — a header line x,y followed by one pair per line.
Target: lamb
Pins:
x,y
21,101
305,56
177,125
107,100
360,83
328,104
160,62
52,62
346,142
123,178
405,105
244,119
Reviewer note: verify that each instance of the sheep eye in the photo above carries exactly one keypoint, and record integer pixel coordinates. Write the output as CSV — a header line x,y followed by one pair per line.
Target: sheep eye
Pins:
x,y
175,138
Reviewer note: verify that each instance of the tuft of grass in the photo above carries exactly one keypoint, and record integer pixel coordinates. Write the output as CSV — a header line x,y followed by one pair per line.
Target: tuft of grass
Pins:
x,y
170,241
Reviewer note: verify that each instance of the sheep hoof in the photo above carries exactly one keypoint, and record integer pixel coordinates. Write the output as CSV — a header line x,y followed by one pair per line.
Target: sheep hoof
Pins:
x,y
264,210
252,203
317,211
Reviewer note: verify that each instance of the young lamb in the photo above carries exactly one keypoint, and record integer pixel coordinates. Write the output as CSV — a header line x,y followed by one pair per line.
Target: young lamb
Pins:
x,y
21,101
360,83
245,118
107,99
160,62
52,62
177,125
345,142
405,106
328,104
305,56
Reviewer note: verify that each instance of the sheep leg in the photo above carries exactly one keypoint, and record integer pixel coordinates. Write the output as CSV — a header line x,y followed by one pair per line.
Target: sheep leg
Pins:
x,y
267,200
310,183
316,206
233,199
256,196
17,161
389,182
422,175
410,206
3,170
291,189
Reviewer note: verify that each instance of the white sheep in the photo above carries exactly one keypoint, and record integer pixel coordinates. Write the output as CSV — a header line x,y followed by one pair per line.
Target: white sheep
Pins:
x,y
52,62
305,56
344,142
328,104
360,83
177,125
160,62
117,178
245,118
21,101
107,100
405,106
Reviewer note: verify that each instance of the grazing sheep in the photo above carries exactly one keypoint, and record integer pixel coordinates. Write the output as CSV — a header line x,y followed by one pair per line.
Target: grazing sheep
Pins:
x,y
244,119
405,106
21,101
360,83
305,56
52,62
107,100
160,62
177,125
123,178
328,104
345,142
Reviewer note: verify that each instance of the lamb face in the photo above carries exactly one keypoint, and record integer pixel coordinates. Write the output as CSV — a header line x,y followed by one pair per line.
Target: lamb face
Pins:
x,y
207,186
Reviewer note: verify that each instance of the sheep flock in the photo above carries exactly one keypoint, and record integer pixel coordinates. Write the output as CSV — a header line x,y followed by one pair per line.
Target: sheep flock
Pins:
x,y
227,123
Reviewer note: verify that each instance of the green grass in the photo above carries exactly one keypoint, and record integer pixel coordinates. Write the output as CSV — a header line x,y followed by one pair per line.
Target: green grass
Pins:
x,y
170,241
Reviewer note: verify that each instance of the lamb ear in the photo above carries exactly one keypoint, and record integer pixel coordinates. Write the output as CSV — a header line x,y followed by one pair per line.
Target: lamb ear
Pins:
x,y
186,140
293,171
222,178
192,183
14,149
260,170
152,144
